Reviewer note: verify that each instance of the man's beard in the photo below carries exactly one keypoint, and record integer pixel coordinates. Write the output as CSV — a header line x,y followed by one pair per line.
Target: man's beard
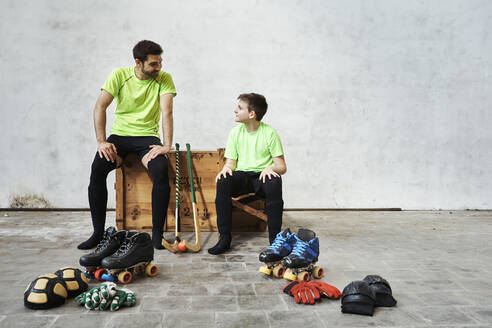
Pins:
x,y
151,74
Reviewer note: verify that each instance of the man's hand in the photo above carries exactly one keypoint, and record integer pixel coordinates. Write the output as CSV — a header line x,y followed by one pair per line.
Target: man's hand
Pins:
x,y
154,152
225,170
268,172
108,150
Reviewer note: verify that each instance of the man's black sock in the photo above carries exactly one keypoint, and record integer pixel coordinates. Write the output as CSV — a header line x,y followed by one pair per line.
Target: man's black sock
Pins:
x,y
157,239
92,241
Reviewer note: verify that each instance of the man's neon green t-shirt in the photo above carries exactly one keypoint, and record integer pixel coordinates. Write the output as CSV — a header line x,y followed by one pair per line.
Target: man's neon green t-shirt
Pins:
x,y
253,151
137,101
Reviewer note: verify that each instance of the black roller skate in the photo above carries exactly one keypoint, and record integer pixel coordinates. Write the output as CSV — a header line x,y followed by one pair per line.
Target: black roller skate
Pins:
x,y
300,263
133,257
110,242
275,253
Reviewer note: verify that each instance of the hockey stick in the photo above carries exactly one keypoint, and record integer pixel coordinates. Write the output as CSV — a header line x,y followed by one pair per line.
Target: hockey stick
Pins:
x,y
174,246
184,245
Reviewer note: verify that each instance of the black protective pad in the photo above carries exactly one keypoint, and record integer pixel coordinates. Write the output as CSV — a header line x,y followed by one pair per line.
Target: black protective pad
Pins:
x,y
358,298
382,290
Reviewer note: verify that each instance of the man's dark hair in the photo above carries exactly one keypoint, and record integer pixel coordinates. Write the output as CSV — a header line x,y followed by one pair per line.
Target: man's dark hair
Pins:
x,y
256,103
144,48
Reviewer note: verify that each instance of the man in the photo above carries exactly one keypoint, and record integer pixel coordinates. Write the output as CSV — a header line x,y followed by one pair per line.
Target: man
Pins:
x,y
142,93
254,163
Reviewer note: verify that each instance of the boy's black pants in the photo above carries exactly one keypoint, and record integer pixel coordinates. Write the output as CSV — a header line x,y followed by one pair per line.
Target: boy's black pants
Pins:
x,y
242,182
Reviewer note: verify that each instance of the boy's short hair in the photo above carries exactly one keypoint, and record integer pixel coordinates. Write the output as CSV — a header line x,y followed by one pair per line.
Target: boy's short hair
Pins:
x,y
145,48
256,103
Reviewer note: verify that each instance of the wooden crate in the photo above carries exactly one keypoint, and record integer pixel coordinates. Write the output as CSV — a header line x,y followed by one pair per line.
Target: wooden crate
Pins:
x,y
134,190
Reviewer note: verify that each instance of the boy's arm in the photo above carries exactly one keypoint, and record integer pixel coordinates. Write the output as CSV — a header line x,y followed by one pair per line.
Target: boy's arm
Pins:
x,y
279,165
229,166
277,169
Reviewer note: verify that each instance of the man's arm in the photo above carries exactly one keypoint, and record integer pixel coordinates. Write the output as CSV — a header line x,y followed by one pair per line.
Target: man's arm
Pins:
x,y
277,169
229,166
104,148
166,104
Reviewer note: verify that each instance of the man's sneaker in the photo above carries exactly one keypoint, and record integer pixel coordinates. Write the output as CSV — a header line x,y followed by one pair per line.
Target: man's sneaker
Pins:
x,y
137,248
306,250
280,248
110,242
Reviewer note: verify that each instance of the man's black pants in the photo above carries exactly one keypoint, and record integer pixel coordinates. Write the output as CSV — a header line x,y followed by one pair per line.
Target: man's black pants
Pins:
x,y
157,167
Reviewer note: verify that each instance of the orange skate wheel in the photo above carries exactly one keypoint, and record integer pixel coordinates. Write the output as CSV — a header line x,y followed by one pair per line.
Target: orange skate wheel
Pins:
x,y
151,270
98,274
279,271
125,277
318,272
303,276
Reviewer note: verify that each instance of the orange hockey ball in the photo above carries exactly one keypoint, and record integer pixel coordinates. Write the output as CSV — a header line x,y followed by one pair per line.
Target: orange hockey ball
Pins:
x,y
182,247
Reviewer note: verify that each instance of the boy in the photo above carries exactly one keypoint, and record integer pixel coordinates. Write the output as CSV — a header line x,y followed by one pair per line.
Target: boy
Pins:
x,y
254,163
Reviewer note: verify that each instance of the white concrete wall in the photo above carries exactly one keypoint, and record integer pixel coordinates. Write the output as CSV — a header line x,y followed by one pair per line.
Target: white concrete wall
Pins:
x,y
378,103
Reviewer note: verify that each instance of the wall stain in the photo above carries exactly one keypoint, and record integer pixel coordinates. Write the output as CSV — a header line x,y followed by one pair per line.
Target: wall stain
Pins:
x,y
29,201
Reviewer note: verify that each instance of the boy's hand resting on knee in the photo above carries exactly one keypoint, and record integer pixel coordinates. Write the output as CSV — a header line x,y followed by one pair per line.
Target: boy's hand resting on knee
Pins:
x,y
225,170
268,172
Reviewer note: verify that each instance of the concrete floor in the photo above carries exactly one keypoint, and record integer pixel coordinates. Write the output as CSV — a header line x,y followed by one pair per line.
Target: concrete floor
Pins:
x,y
439,265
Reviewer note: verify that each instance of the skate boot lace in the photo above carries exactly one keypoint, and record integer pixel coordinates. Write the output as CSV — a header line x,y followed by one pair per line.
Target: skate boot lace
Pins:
x,y
104,241
277,243
299,248
123,248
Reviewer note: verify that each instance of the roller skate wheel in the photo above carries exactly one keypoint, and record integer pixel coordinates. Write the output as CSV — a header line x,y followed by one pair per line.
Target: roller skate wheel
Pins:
x,y
264,269
125,277
151,270
107,277
98,274
89,272
318,272
289,275
279,271
303,276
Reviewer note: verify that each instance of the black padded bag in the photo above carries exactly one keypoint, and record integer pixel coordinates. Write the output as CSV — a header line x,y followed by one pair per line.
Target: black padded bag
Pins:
x,y
382,289
358,298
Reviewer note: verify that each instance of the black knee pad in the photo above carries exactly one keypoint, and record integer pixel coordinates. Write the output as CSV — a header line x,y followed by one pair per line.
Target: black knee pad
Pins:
x,y
358,298
158,170
382,290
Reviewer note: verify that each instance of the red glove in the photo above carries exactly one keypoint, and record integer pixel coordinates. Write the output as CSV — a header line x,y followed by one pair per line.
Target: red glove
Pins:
x,y
304,293
324,289
289,286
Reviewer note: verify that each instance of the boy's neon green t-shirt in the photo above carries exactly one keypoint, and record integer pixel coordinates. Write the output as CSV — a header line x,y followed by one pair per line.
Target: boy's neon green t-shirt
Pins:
x,y
253,151
137,101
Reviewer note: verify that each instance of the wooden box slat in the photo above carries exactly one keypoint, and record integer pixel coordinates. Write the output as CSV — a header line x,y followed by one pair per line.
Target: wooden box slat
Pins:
x,y
134,189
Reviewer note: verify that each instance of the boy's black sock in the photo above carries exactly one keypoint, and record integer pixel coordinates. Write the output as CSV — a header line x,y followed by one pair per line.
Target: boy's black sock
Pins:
x,y
222,245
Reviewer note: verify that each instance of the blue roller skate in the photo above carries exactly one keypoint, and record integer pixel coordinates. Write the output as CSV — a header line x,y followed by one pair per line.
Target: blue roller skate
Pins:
x,y
300,262
275,253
